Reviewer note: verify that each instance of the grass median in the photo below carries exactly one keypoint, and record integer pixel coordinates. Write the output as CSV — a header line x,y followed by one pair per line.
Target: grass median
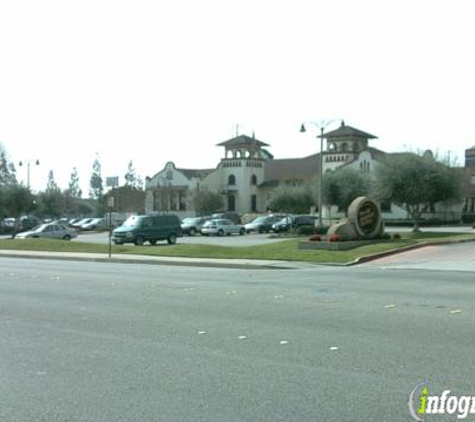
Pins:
x,y
286,250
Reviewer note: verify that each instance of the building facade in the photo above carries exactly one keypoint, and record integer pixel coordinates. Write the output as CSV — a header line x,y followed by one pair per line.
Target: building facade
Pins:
x,y
247,174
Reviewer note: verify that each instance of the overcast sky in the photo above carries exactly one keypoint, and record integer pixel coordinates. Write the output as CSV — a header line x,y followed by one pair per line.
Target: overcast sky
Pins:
x,y
158,81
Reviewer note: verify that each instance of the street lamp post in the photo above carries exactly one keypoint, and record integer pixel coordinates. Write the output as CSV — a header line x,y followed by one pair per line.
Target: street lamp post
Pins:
x,y
322,124
28,163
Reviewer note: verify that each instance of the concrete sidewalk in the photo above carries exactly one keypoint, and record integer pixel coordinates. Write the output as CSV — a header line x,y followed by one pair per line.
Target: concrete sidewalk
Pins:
x,y
157,260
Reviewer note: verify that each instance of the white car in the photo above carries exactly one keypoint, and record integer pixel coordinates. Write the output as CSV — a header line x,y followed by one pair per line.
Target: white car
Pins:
x,y
49,231
79,223
94,224
221,226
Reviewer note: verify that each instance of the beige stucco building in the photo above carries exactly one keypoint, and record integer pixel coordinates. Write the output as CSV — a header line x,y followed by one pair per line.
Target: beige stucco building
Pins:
x,y
248,173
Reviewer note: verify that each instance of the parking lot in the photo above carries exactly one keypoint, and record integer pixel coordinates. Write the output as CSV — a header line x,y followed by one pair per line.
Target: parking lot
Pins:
x,y
233,240
247,239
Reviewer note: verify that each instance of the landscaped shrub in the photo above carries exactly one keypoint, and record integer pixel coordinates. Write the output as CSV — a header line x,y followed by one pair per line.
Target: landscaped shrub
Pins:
x,y
310,229
468,218
396,236
321,229
307,229
386,236
334,238
315,238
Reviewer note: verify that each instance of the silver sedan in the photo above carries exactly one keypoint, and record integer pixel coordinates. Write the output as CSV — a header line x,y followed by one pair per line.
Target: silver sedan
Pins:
x,y
50,231
222,226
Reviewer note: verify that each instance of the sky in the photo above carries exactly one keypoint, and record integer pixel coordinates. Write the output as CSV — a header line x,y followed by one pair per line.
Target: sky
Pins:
x,y
158,81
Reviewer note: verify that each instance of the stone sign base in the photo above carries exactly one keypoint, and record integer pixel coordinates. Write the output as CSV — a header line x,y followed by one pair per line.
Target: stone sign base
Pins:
x,y
339,246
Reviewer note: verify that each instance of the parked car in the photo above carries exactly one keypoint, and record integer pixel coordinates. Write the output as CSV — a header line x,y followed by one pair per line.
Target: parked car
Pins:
x,y
73,221
292,221
9,222
193,225
139,229
27,222
228,215
49,231
7,225
78,224
262,224
222,226
94,224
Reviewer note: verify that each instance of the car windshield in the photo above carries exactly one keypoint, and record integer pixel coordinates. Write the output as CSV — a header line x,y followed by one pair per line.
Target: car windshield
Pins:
x,y
259,220
191,220
39,228
286,220
132,221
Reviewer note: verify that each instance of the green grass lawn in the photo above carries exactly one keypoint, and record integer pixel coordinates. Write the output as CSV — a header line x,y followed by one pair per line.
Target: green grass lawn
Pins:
x,y
284,250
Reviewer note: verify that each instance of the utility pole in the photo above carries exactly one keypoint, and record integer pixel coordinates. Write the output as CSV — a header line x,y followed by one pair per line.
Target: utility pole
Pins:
x,y
322,125
28,163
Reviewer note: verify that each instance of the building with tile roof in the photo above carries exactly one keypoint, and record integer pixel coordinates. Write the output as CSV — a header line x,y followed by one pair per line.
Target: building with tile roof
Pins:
x,y
248,173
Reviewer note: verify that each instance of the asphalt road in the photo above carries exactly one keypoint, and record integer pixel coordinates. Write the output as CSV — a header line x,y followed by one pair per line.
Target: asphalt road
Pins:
x,y
122,342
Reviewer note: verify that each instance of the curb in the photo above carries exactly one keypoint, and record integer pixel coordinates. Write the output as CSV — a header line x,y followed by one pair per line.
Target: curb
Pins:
x,y
150,261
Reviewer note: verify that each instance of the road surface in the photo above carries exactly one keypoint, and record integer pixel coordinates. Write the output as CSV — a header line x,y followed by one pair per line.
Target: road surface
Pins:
x,y
124,342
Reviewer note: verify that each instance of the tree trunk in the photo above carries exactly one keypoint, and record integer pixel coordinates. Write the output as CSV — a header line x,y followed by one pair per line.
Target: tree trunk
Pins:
x,y
415,214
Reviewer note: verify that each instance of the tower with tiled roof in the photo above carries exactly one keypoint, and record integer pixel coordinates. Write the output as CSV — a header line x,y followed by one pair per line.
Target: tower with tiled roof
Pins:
x,y
344,145
241,172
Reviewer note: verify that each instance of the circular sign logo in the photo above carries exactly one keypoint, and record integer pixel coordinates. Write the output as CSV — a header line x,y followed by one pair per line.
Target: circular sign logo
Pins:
x,y
368,217
364,213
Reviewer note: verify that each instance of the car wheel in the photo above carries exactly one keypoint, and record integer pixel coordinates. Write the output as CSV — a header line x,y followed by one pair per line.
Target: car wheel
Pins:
x,y
192,231
261,230
67,237
242,231
171,239
153,241
139,240
220,232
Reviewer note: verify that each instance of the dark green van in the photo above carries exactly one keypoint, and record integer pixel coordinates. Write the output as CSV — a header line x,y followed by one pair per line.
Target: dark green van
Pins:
x,y
139,229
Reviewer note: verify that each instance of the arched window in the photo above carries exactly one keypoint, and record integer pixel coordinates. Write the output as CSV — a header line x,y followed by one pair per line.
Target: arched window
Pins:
x,y
231,179
253,180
